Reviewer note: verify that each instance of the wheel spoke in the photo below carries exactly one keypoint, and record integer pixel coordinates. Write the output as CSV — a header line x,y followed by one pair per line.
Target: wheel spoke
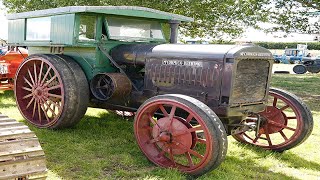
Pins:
x,y
285,107
55,95
53,103
50,75
283,135
35,73
280,125
48,82
246,135
27,89
30,102
189,159
40,72
268,137
163,110
275,102
54,87
195,153
26,80
27,96
189,150
172,112
190,116
34,108
45,114
171,156
39,112
31,78
195,128
49,108
256,139
153,121
45,76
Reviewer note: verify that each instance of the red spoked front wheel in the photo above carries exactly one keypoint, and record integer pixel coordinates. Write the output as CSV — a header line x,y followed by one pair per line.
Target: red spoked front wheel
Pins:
x,y
47,92
285,123
180,132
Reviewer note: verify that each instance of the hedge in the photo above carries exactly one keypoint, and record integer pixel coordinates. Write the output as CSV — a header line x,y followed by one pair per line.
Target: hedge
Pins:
x,y
283,45
280,45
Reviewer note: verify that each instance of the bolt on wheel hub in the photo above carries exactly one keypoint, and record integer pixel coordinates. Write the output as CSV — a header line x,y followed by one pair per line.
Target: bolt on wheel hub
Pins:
x,y
166,132
272,114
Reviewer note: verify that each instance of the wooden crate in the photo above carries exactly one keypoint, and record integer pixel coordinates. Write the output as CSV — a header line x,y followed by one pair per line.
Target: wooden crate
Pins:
x,y
21,156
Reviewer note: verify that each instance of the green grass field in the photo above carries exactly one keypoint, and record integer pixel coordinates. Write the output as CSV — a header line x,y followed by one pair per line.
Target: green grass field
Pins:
x,y
102,146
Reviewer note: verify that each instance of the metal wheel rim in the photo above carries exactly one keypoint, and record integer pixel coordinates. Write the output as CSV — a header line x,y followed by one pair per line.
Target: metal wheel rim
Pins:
x,y
264,130
39,92
156,154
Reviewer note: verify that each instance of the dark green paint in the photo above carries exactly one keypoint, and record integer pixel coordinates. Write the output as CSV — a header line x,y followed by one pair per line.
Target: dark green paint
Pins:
x,y
64,33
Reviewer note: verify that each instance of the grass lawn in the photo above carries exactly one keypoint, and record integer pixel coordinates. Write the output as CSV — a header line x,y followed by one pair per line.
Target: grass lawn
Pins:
x,y
102,146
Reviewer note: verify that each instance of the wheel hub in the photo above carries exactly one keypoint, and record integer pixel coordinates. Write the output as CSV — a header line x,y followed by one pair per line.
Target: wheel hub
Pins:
x,y
269,116
164,137
172,136
39,92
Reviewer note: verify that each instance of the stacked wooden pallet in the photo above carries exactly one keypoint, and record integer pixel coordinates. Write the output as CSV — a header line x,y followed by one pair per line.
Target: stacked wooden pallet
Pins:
x,y
21,156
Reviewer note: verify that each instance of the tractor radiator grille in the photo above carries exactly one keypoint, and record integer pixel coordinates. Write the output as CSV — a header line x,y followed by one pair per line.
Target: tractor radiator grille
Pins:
x,y
250,83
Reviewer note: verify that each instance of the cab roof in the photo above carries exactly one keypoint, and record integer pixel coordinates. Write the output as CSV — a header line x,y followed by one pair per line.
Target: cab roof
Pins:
x,y
133,11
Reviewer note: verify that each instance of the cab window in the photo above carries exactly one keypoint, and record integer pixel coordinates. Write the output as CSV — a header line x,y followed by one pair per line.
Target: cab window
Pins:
x,y
133,29
87,28
35,33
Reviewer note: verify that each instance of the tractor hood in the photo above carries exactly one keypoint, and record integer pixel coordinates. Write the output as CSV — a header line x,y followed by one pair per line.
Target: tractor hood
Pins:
x,y
140,54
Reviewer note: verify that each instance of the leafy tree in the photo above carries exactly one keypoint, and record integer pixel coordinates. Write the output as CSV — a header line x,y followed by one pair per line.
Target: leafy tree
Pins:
x,y
214,18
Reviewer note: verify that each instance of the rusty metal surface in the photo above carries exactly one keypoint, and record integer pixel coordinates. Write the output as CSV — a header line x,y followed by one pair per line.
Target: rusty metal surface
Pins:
x,y
199,79
21,155
111,87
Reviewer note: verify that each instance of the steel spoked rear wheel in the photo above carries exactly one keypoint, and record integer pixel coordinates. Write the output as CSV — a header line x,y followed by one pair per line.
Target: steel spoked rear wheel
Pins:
x,y
285,123
188,136
44,95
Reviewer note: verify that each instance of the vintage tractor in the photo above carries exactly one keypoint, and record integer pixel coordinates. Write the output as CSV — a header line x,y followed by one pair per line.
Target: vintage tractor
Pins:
x,y
10,60
309,65
186,98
